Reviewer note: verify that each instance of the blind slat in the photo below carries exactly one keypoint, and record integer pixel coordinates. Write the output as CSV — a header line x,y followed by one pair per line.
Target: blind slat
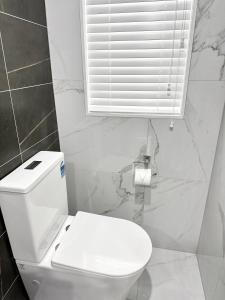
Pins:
x,y
136,36
139,6
94,2
138,26
138,17
150,109
135,96
133,102
136,78
137,71
135,86
137,62
126,45
150,53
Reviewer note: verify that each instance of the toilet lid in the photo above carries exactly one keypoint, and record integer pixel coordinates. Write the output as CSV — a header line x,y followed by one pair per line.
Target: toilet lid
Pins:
x,y
103,245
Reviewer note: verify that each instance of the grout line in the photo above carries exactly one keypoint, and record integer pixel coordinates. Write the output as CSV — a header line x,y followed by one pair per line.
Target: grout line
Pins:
x,y
40,141
30,86
28,149
6,293
8,161
22,19
28,66
1,92
26,87
55,140
32,130
3,52
2,234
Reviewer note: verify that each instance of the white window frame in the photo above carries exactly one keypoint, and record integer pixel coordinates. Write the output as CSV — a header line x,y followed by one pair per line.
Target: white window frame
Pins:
x,y
128,114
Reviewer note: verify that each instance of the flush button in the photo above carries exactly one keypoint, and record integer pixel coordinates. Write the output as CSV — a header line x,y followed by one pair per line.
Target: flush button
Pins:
x,y
33,165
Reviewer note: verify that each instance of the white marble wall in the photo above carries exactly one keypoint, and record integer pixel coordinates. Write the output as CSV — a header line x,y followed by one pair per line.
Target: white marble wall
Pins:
x,y
211,249
100,151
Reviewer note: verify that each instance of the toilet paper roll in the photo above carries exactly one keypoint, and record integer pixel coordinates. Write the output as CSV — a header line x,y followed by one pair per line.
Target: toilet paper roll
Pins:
x,y
142,177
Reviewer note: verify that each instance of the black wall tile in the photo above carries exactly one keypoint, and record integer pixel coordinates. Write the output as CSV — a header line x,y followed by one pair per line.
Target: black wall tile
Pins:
x,y
48,126
17,292
7,264
36,74
9,166
55,146
24,43
2,224
8,138
32,105
3,77
33,10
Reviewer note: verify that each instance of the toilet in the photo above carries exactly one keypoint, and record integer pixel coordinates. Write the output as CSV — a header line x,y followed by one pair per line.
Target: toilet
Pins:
x,y
81,257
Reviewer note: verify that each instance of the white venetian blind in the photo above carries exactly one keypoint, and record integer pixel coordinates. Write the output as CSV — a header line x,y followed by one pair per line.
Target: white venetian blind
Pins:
x,y
137,55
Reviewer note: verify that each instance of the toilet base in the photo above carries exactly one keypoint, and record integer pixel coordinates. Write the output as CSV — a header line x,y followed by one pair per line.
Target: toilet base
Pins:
x,y
51,284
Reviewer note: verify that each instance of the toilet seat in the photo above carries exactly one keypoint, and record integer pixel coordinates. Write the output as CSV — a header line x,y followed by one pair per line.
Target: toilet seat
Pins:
x,y
103,245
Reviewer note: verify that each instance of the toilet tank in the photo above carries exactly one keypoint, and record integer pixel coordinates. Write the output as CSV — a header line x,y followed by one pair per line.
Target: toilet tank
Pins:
x,y
33,200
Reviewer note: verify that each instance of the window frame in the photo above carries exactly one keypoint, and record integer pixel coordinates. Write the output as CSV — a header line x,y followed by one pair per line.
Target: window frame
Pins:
x,y
128,114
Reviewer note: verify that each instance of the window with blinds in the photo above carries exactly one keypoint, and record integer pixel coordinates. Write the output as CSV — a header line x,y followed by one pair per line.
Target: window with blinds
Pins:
x,y
137,56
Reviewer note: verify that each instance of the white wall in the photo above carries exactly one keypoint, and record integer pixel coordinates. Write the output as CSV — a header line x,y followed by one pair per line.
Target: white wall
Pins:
x,y
99,151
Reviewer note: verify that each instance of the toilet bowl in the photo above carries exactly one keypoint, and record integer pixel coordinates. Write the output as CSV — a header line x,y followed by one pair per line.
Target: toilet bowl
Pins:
x,y
82,257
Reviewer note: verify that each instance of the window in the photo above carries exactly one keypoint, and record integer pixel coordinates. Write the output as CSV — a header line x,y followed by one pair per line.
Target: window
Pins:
x,y
137,56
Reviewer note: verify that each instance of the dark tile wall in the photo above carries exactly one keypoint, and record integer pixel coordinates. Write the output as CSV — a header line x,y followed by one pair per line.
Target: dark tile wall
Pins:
x,y
27,108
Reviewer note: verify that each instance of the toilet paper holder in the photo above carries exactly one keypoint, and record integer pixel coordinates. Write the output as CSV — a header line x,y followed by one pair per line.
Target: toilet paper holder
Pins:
x,y
146,162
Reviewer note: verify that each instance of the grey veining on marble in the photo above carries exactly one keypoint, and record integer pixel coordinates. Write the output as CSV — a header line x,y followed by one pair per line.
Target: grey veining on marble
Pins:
x,y
170,275
99,151
208,59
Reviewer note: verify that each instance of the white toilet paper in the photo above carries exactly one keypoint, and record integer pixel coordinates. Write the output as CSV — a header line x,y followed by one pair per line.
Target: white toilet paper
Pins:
x,y
142,177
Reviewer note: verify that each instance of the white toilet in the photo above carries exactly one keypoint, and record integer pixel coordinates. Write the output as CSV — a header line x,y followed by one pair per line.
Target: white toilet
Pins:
x,y
82,257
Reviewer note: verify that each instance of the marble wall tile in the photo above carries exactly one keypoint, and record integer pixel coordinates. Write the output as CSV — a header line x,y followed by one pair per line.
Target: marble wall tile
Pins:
x,y
100,168
210,269
212,238
208,57
65,39
179,192
211,248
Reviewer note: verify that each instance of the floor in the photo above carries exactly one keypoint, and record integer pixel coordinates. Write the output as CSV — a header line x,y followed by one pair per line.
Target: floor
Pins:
x,y
170,275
